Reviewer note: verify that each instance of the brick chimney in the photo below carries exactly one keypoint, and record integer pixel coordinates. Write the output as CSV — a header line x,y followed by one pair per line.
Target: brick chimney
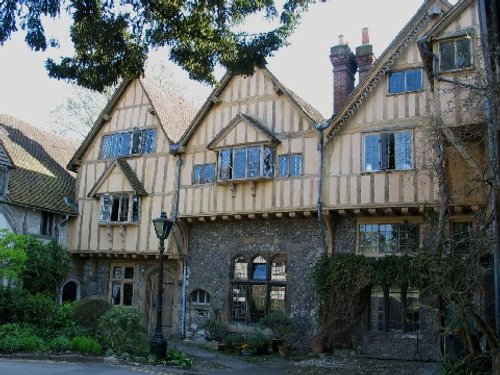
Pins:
x,y
344,69
364,55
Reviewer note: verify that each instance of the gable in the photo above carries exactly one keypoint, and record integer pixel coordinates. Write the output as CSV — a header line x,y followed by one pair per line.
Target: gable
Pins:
x,y
261,96
118,177
243,129
392,57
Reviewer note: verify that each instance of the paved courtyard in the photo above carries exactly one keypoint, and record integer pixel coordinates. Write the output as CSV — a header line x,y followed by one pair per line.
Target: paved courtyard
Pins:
x,y
215,363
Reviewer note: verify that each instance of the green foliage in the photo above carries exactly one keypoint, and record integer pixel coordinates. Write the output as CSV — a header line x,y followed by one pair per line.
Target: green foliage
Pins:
x,y
214,327
278,323
60,344
12,255
47,264
111,41
37,264
14,337
89,311
87,344
122,330
343,283
475,365
258,339
177,358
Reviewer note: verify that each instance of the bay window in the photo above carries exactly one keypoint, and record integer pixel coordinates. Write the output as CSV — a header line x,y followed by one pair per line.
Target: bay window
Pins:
x,y
246,163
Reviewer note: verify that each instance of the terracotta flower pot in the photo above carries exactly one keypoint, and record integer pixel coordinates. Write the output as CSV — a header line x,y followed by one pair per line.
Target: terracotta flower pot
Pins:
x,y
284,350
317,345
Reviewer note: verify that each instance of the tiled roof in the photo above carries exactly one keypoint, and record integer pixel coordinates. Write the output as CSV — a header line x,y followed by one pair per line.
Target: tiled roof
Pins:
x,y
174,112
39,178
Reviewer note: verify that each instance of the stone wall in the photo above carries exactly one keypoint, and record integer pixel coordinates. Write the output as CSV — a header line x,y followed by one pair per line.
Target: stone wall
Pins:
x,y
213,245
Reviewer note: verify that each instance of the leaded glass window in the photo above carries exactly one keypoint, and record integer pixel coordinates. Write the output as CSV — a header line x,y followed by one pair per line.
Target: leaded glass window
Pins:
x,y
258,287
388,238
455,54
119,208
136,142
384,151
290,165
394,310
246,163
122,285
203,173
405,81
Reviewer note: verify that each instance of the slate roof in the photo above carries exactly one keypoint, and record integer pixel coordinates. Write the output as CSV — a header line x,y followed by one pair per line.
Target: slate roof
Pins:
x,y
129,173
39,178
174,114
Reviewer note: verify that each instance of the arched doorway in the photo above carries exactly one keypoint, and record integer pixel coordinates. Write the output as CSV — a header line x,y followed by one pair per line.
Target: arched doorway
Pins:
x,y
70,292
170,294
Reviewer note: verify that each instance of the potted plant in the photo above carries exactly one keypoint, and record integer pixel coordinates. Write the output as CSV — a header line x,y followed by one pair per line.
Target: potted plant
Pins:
x,y
247,350
228,342
259,341
280,325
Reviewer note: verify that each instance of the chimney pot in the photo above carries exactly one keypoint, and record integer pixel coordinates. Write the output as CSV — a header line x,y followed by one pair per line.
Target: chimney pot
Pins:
x,y
365,38
341,39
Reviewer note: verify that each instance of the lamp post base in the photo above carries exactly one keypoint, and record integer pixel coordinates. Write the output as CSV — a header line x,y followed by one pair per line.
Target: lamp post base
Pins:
x,y
159,347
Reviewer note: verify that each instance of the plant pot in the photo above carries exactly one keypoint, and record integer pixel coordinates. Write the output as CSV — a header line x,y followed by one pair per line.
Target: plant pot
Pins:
x,y
275,345
284,350
317,345
221,347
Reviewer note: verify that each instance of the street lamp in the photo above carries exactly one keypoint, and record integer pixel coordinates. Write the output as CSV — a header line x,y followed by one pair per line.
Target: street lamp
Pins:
x,y
159,344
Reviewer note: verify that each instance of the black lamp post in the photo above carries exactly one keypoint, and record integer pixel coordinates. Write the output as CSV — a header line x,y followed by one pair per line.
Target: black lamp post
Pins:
x,y
159,344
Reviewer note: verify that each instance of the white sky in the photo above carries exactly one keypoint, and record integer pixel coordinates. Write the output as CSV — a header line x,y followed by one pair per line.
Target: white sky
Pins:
x,y
29,94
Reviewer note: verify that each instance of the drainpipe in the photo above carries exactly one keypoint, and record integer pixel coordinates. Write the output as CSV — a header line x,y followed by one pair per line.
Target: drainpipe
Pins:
x,y
319,205
492,151
174,148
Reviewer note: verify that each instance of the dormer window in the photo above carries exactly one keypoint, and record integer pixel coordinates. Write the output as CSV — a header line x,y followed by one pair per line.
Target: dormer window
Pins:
x,y
246,163
136,142
455,54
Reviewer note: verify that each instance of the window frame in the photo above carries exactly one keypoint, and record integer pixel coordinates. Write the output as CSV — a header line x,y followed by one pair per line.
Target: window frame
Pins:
x,y
228,167
455,40
405,72
48,226
133,209
134,134
460,241
122,282
402,229
203,174
384,311
391,159
289,158
242,303
198,292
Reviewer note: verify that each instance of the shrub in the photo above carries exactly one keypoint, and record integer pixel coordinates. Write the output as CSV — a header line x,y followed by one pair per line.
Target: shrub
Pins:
x,y
122,330
177,358
88,312
278,323
87,344
258,339
60,344
14,337
37,310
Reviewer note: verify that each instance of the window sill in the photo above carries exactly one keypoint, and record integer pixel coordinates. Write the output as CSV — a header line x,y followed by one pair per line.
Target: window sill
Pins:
x,y
458,70
243,180
405,92
118,223
387,171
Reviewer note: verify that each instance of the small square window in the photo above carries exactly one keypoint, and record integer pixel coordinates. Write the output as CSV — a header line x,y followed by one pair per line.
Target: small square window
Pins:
x,y
455,54
405,81
290,165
